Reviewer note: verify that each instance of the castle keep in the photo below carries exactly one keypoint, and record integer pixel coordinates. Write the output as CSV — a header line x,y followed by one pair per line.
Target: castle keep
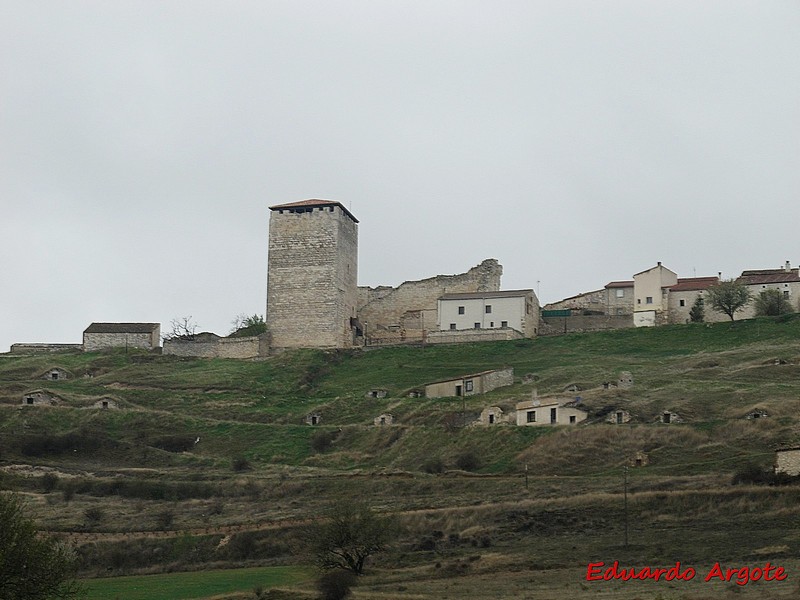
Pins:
x,y
312,275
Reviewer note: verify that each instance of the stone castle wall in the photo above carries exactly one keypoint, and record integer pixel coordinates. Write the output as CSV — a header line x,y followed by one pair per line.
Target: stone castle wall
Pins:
x,y
35,348
413,304
245,347
311,282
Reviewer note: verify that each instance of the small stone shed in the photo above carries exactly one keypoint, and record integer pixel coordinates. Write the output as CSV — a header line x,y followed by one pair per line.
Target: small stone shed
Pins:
x,y
640,459
618,417
669,417
384,419
40,398
376,393
99,336
313,418
787,460
55,374
625,380
758,413
106,403
492,415
469,385
548,412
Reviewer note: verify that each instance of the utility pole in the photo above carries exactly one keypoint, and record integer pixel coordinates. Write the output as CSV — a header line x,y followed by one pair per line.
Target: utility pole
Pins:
x,y
526,476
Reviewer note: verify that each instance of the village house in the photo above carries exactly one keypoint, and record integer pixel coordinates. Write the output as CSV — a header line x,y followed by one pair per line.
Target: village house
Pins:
x,y
683,295
785,280
100,336
515,309
650,291
548,412
469,385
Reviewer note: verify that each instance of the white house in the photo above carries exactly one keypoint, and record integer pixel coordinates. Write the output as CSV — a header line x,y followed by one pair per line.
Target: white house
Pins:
x,y
517,309
548,412
786,280
650,292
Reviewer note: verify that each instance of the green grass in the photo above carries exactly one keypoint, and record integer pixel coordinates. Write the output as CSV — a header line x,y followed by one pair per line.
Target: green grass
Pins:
x,y
186,586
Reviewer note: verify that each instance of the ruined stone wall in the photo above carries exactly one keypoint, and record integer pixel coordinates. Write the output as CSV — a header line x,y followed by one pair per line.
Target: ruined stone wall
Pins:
x,y
581,323
595,301
385,307
472,335
34,348
312,278
242,348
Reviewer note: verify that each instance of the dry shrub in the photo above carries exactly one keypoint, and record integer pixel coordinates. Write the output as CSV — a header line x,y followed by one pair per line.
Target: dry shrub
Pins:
x,y
575,449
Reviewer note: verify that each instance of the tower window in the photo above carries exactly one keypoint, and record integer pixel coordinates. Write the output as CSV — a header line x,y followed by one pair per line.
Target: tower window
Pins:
x,y
461,310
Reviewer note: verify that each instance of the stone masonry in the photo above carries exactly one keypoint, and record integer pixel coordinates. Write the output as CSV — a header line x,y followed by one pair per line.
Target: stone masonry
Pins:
x,y
413,305
312,275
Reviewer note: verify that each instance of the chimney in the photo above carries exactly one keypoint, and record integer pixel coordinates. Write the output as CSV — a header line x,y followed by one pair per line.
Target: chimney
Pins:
x,y
788,267
719,275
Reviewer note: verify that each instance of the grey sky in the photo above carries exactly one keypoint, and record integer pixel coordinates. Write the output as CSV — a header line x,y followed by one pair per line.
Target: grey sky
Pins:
x,y
576,142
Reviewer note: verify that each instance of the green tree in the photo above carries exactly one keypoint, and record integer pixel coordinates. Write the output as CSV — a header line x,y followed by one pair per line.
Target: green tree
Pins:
x,y
771,303
697,314
246,326
728,296
32,567
349,533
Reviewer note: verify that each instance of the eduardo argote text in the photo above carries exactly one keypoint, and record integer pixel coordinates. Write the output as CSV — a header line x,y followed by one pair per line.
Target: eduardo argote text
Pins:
x,y
600,571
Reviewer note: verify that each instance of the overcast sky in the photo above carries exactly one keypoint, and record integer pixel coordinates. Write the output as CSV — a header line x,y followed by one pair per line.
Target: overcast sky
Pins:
x,y
577,142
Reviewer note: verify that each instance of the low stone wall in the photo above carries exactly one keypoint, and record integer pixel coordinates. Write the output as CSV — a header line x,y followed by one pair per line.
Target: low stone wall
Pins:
x,y
788,461
580,323
34,348
245,347
472,335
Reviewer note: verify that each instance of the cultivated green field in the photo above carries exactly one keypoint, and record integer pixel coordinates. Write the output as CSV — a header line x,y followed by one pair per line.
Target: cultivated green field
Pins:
x,y
207,465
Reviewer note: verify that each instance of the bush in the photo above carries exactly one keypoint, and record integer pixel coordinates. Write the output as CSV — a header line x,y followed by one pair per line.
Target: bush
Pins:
x,y
240,463
468,460
49,482
335,585
434,465
322,440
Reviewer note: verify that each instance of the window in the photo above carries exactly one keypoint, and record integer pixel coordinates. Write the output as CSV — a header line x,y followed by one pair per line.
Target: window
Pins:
x,y
649,300
477,325
491,323
531,416
488,309
620,293
503,323
468,385
572,420
461,310
638,301
452,325
786,293
683,303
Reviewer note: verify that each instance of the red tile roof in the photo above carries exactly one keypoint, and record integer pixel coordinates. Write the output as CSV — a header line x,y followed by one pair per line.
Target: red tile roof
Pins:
x,y
763,277
313,203
690,284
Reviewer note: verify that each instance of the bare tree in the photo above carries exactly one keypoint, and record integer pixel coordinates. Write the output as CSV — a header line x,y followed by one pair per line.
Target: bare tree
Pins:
x,y
182,328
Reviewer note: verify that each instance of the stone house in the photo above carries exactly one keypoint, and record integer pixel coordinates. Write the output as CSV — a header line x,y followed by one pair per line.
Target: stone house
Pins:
x,y
619,298
469,385
55,374
40,398
100,336
594,301
650,292
515,309
535,412
786,280
683,295
383,419
787,460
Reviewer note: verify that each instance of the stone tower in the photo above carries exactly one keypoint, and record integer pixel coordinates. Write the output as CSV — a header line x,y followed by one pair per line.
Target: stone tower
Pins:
x,y
312,275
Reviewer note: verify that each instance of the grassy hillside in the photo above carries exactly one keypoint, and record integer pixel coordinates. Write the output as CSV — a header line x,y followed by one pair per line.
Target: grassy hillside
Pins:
x,y
138,476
